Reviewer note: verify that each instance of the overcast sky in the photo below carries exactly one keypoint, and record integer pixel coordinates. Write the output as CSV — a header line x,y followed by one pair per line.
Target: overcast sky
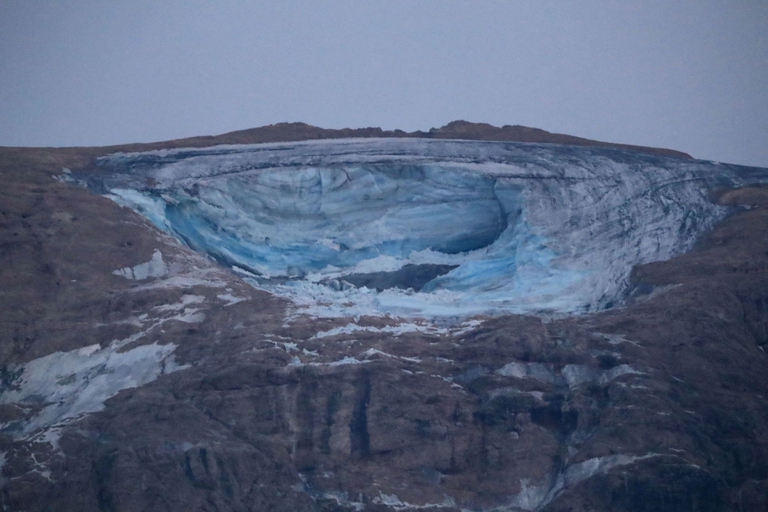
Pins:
x,y
690,75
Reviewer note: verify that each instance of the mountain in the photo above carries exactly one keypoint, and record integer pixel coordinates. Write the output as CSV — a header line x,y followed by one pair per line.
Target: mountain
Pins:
x,y
470,318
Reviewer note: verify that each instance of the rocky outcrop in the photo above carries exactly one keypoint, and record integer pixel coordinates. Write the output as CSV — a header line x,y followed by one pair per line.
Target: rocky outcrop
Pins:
x,y
463,130
139,375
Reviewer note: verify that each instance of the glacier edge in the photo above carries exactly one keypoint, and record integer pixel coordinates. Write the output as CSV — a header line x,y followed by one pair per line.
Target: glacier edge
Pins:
x,y
526,228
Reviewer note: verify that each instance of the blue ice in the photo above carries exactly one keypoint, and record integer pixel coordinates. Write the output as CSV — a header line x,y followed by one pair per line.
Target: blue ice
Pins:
x,y
515,228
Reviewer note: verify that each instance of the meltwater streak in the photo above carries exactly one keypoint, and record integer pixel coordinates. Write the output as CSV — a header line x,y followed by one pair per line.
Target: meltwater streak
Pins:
x,y
520,228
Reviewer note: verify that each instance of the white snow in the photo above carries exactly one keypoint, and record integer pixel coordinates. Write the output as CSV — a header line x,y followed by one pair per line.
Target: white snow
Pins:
x,y
181,281
342,499
536,371
466,326
616,339
78,382
155,267
372,352
230,299
71,384
347,360
534,497
395,330
572,375
530,496
186,300
576,374
394,502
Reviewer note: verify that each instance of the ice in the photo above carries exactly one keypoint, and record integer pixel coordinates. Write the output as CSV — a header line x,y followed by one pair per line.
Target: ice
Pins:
x,y
155,267
506,227
572,375
536,371
577,374
151,207
394,330
186,300
230,299
530,496
74,383
372,352
393,502
342,499
64,386
535,497
347,360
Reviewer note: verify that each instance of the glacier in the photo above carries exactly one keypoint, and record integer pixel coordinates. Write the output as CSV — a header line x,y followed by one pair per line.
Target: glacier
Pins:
x,y
426,228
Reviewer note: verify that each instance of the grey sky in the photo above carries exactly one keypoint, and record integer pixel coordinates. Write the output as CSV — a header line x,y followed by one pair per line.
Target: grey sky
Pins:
x,y
689,75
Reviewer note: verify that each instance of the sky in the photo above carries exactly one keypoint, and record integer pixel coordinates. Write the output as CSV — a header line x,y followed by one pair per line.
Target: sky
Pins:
x,y
690,75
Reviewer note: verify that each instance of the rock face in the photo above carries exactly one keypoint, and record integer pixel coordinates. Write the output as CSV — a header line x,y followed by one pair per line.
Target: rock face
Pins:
x,y
138,374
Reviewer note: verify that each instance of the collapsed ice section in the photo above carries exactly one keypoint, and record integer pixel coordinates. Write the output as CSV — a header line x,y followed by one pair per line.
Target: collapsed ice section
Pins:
x,y
426,228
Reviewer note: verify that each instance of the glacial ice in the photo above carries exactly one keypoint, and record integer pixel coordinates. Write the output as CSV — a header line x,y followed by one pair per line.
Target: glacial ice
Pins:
x,y
433,228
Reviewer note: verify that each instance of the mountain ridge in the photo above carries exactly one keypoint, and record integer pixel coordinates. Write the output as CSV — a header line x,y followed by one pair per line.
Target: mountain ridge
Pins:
x,y
459,129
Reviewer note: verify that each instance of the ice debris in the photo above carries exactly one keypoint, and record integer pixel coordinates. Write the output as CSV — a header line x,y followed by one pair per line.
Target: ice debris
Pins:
x,y
155,267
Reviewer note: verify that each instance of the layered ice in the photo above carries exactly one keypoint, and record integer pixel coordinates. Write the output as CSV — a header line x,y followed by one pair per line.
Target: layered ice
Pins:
x,y
426,228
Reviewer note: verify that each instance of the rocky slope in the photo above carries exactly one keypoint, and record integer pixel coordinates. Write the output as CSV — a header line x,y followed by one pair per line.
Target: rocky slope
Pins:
x,y
138,374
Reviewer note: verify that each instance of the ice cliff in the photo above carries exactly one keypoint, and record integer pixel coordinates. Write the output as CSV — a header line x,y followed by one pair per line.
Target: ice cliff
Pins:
x,y
426,228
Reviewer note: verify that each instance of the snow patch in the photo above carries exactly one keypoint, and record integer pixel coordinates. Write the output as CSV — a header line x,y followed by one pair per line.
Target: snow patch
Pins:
x,y
72,384
182,282
347,360
392,501
534,497
395,330
185,301
572,375
429,329
155,267
342,499
230,299
616,339
372,352
577,374
535,371
466,326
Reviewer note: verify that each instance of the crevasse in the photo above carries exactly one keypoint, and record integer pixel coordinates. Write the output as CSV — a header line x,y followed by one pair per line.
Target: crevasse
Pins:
x,y
426,228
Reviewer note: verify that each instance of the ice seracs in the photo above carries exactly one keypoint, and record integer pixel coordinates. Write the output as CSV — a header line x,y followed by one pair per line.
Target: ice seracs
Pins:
x,y
427,228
